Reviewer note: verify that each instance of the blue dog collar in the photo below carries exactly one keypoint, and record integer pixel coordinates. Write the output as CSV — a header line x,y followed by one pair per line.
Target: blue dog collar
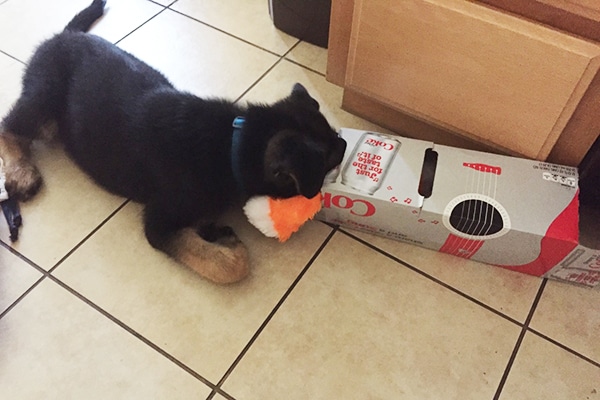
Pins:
x,y
236,144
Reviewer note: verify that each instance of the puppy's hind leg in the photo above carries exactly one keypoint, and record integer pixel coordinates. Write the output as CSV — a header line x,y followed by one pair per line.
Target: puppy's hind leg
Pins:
x,y
27,120
41,104
23,180
215,253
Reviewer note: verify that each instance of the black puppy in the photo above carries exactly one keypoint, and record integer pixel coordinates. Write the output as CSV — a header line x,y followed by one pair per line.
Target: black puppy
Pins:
x,y
126,126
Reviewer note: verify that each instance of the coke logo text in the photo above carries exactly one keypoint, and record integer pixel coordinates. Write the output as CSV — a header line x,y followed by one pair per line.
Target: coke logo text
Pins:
x,y
379,143
358,207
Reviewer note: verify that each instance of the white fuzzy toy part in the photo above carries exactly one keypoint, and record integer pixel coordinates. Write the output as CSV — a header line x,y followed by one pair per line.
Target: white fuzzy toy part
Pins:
x,y
258,212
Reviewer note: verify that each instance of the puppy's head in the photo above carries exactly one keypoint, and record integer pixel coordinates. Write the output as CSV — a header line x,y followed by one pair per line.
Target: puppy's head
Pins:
x,y
301,147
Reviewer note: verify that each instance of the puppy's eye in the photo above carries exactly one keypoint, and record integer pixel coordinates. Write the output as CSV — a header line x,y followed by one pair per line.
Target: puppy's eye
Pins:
x,y
283,177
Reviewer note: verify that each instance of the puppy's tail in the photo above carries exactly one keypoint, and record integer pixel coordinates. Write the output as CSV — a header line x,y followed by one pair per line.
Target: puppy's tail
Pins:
x,y
84,20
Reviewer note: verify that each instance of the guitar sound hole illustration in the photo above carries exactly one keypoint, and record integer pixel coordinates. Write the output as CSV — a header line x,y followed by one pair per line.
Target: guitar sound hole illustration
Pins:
x,y
475,217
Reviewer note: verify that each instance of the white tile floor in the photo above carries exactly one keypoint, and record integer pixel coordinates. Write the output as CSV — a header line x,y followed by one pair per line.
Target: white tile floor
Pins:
x,y
88,310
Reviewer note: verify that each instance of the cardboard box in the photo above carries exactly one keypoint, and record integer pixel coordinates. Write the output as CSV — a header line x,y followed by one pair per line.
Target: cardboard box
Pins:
x,y
510,212
582,265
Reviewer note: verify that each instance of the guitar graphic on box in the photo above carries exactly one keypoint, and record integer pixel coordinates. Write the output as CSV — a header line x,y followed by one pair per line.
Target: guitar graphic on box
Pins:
x,y
477,217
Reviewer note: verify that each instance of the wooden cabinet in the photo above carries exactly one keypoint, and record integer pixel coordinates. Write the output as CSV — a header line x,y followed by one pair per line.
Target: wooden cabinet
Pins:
x,y
466,74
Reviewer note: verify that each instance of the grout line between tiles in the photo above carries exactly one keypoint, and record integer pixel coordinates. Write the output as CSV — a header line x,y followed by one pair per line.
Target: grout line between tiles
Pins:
x,y
274,311
260,78
118,41
525,326
221,392
12,57
562,346
22,257
48,272
433,278
89,235
257,81
306,67
21,297
513,356
142,24
131,331
162,5
228,33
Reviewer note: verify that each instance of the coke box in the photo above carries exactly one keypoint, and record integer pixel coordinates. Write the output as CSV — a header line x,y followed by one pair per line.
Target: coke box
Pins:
x,y
515,213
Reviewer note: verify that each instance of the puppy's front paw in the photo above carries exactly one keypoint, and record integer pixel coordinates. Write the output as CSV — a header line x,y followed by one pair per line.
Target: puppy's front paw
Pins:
x,y
224,260
223,235
23,180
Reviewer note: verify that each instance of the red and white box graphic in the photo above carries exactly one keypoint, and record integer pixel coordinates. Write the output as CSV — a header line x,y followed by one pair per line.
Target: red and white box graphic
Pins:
x,y
506,211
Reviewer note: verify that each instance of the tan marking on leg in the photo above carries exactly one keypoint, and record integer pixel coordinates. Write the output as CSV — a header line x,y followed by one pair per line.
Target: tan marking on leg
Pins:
x,y
220,262
12,148
23,179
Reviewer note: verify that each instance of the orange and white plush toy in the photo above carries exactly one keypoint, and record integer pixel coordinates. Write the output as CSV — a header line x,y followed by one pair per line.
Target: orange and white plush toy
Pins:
x,y
280,218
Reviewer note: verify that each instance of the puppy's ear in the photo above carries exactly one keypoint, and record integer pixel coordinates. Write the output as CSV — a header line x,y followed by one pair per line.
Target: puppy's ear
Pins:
x,y
300,93
299,90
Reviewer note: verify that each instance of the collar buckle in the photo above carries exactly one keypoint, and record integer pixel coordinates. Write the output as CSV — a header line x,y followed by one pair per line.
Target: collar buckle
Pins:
x,y
236,139
238,122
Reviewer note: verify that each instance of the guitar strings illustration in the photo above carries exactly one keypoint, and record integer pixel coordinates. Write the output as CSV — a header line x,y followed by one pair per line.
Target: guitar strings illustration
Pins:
x,y
487,225
467,244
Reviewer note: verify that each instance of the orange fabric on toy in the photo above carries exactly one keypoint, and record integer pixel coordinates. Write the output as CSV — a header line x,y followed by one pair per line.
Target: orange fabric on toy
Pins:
x,y
280,218
289,215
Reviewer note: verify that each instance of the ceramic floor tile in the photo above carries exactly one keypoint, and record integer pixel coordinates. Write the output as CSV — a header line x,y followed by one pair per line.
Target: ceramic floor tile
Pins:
x,y
68,208
570,315
359,325
248,20
15,278
54,346
202,324
509,292
197,58
311,56
10,82
26,23
278,84
545,371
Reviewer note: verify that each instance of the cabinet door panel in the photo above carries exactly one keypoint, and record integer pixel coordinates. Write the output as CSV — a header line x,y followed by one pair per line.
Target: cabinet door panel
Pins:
x,y
508,82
